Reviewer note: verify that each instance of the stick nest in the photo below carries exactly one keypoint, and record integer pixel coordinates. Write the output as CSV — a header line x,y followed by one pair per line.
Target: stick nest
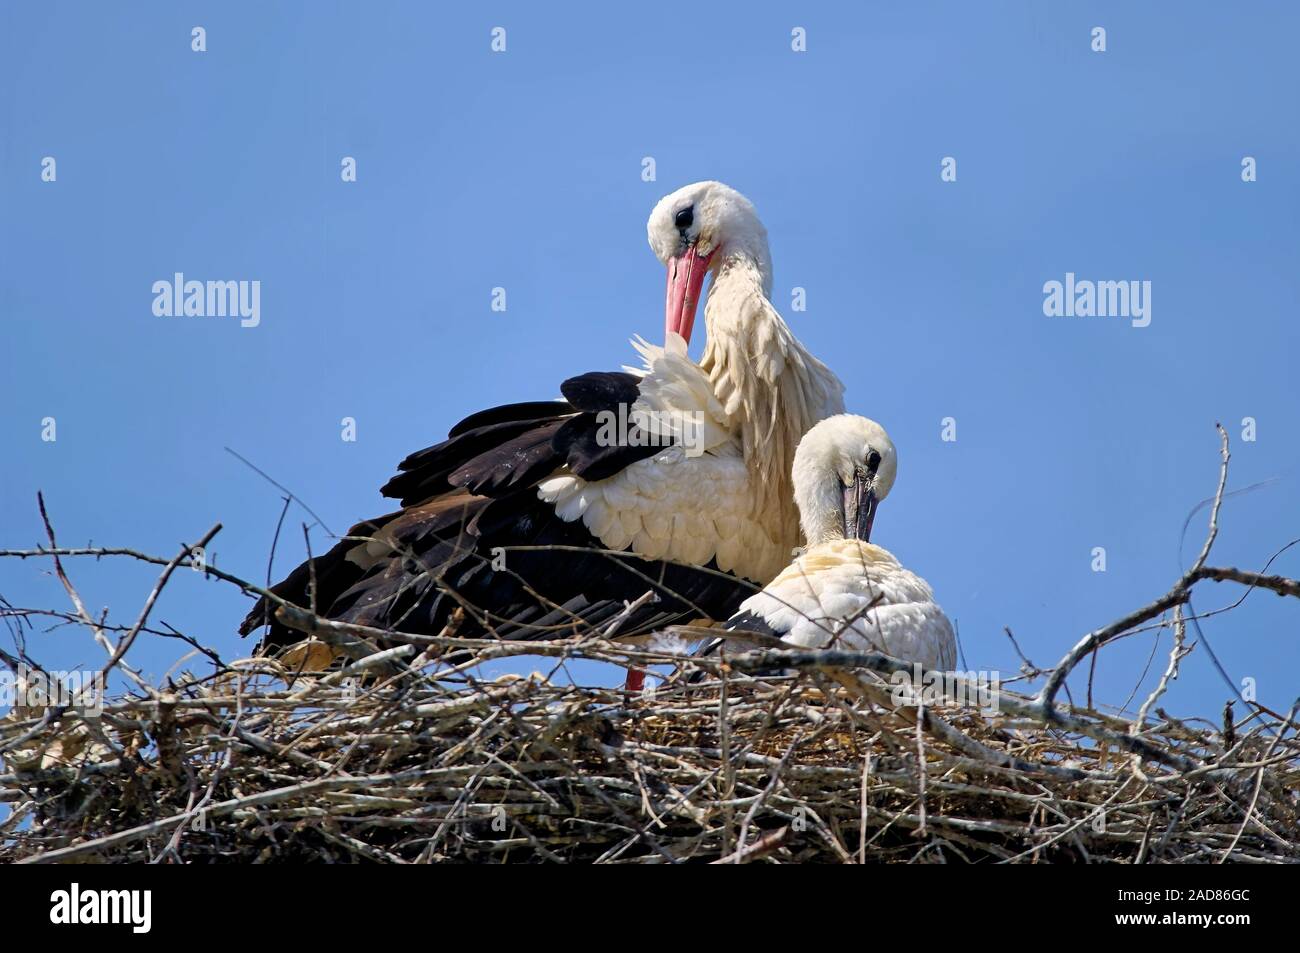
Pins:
x,y
365,745
409,764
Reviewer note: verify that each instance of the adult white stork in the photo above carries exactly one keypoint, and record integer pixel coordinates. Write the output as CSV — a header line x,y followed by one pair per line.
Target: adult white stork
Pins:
x,y
844,591
513,479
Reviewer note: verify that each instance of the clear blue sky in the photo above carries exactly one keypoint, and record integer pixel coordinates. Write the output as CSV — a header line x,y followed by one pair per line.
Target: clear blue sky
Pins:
x,y
523,170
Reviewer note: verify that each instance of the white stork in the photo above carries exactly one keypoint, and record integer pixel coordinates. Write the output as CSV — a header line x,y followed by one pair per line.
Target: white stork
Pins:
x,y
754,394
843,591
479,509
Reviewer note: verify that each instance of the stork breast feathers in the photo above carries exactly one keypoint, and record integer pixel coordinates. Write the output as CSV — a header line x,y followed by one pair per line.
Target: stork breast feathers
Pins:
x,y
687,509
893,610
688,505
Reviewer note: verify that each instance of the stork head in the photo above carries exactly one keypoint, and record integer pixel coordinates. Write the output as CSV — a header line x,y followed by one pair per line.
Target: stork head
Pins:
x,y
692,230
843,468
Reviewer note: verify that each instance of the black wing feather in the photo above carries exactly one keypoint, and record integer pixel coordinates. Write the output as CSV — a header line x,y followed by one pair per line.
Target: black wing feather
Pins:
x,y
527,410
748,621
601,390
425,473
585,446
474,496
530,457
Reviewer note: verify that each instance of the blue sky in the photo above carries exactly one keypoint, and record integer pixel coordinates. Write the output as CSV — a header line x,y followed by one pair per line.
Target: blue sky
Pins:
x,y
523,170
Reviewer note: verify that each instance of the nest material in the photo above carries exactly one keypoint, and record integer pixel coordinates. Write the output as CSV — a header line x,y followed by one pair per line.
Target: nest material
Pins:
x,y
407,765
402,757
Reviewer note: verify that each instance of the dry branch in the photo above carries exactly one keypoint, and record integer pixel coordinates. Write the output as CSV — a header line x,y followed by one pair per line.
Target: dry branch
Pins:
x,y
393,755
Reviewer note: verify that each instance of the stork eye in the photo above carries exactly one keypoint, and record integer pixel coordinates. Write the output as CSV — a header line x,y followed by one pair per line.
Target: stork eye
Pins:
x,y
873,461
685,217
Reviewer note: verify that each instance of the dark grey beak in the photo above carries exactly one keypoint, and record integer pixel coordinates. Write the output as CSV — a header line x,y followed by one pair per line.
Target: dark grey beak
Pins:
x,y
859,506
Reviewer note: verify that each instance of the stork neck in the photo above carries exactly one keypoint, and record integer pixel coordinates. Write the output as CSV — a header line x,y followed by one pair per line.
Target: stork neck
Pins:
x,y
824,524
737,313
744,270
771,389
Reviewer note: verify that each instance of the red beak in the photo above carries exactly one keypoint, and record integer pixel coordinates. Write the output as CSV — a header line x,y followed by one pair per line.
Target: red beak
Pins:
x,y
685,279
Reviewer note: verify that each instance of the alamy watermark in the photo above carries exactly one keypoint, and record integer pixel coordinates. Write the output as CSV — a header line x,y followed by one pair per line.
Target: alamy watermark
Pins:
x,y
980,690
1083,298
26,687
651,428
208,299
133,908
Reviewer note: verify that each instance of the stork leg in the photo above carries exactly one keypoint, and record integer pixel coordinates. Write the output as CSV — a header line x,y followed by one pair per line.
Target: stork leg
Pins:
x,y
635,680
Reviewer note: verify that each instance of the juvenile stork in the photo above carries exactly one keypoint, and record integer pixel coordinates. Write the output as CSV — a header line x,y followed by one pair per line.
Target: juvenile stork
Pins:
x,y
844,591
713,491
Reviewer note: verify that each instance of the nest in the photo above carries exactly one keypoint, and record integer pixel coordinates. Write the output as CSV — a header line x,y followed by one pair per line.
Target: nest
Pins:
x,y
387,760
362,744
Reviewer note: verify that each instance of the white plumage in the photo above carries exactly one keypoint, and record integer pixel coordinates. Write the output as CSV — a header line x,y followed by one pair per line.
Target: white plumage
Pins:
x,y
753,395
846,592
855,596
